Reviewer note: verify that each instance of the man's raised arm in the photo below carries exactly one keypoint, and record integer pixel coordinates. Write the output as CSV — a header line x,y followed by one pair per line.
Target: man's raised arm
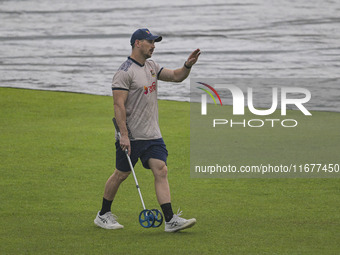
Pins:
x,y
180,74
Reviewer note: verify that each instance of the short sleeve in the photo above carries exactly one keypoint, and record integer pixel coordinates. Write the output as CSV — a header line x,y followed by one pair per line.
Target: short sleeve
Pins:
x,y
121,81
157,67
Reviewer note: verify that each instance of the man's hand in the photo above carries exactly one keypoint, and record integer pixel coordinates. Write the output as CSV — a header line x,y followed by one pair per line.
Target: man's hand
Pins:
x,y
124,143
192,59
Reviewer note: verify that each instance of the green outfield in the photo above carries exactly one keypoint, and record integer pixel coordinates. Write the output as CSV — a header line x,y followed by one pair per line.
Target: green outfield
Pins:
x,y
57,150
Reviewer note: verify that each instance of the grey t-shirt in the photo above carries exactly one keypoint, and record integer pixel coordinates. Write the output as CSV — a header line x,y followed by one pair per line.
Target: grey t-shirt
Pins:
x,y
141,104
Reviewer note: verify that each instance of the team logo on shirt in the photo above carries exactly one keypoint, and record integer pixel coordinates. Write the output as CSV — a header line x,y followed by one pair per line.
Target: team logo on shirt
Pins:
x,y
150,89
153,73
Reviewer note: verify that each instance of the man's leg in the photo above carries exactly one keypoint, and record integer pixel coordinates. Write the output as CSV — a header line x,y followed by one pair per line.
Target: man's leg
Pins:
x,y
160,172
173,222
111,188
112,184
104,218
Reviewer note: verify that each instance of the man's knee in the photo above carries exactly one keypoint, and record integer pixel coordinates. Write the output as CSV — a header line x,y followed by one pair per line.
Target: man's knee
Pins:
x,y
161,171
120,175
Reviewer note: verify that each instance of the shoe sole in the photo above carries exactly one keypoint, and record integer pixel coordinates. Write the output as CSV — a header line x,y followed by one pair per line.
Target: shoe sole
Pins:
x,y
185,226
100,224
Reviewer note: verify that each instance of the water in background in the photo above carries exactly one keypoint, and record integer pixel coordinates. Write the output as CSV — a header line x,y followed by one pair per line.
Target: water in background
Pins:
x,y
78,45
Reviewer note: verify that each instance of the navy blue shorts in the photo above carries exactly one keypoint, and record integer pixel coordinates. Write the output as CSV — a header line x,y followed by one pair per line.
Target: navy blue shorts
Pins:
x,y
143,149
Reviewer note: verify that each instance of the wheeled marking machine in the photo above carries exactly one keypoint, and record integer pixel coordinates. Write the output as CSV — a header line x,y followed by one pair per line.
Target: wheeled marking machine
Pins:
x,y
147,218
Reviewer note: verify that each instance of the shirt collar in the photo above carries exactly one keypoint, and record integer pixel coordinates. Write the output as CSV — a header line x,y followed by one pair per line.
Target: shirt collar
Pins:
x,y
135,62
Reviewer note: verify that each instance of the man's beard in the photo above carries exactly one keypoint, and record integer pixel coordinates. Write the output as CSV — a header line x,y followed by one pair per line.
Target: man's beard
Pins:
x,y
147,54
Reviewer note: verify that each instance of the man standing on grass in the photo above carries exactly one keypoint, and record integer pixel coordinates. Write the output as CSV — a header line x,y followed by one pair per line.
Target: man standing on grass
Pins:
x,y
134,89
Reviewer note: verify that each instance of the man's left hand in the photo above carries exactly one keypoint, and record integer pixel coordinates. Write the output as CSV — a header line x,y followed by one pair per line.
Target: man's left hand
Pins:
x,y
193,58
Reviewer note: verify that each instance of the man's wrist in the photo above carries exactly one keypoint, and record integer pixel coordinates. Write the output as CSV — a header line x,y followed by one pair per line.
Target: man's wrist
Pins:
x,y
125,134
186,66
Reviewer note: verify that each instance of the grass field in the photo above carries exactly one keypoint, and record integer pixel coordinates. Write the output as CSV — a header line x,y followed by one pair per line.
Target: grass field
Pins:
x,y
57,152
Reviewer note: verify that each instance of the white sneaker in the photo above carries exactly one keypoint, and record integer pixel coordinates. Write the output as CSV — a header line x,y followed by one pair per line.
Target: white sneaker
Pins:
x,y
107,221
177,223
